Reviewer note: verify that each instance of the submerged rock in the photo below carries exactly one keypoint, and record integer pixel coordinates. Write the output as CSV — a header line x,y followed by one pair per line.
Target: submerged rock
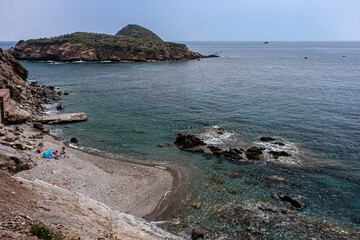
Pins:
x,y
276,178
217,166
260,219
188,141
295,201
197,234
195,204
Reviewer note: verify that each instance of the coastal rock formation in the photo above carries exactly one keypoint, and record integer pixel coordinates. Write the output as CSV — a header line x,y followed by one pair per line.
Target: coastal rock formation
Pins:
x,y
25,98
226,144
132,43
62,118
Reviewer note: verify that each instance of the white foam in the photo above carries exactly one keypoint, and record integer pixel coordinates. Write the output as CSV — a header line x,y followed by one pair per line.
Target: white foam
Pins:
x,y
56,132
50,108
211,136
85,148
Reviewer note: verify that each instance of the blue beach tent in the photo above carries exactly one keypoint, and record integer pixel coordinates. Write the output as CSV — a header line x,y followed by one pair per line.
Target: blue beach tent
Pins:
x,y
47,154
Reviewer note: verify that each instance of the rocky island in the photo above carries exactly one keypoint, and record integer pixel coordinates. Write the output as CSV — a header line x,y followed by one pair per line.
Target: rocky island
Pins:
x,y
132,43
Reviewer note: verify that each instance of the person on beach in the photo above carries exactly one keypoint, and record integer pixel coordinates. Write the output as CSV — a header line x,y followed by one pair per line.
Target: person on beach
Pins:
x,y
55,154
62,153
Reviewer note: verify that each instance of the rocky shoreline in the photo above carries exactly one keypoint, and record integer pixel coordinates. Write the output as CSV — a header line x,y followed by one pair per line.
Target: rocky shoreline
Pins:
x,y
80,195
121,185
280,213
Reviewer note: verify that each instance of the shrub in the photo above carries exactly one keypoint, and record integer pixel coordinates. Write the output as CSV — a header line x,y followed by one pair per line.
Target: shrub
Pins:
x,y
43,232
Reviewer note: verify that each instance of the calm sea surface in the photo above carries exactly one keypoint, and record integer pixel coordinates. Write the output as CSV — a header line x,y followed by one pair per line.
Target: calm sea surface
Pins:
x,y
253,89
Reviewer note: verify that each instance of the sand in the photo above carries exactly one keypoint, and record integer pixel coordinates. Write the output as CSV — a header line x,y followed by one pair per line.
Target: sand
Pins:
x,y
121,184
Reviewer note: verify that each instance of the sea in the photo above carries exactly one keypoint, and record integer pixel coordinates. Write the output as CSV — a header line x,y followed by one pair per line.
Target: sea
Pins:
x,y
305,93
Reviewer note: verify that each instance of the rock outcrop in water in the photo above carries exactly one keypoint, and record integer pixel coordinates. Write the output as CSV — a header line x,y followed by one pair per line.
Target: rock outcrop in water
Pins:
x,y
132,43
222,143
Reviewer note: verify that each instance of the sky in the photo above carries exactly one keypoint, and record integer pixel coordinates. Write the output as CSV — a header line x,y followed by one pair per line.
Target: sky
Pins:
x,y
186,20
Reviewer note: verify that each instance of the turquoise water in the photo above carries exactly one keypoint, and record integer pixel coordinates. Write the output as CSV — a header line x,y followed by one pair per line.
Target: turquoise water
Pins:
x,y
254,89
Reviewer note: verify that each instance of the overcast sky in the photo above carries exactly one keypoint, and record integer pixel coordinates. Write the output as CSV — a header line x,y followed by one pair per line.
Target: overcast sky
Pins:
x,y
232,20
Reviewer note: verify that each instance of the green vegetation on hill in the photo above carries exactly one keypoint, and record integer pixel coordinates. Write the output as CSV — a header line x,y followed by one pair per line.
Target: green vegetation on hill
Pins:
x,y
132,43
106,41
136,31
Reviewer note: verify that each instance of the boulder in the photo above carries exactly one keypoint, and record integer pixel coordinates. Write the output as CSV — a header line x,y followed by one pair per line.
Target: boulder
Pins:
x,y
66,93
254,153
46,130
197,234
63,118
15,114
38,125
60,107
277,154
19,129
267,139
56,98
3,132
74,140
11,138
19,146
232,154
188,141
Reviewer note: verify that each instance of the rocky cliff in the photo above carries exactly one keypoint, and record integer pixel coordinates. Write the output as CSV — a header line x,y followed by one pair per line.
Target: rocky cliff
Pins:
x,y
132,43
25,98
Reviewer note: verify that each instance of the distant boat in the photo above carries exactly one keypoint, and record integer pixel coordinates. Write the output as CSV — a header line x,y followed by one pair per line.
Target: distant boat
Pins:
x,y
266,42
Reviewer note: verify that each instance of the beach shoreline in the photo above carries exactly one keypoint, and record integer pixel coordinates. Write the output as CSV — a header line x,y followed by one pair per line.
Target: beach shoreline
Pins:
x,y
148,190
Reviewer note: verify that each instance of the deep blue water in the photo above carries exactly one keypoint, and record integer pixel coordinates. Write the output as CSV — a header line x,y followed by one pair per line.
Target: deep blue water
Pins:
x,y
254,89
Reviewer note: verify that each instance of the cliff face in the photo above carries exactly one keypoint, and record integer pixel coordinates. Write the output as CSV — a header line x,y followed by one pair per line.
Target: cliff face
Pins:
x,y
132,43
25,98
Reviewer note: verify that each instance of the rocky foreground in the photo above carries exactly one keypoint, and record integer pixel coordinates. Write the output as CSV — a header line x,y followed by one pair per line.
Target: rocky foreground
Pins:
x,y
80,196
132,43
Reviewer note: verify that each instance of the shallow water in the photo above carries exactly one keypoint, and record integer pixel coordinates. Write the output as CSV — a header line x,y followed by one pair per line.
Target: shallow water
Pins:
x,y
253,89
